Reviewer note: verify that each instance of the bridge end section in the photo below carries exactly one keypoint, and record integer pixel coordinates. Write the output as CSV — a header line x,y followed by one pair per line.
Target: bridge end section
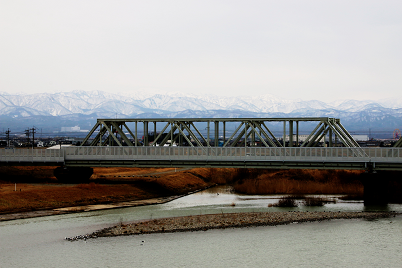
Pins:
x,y
73,174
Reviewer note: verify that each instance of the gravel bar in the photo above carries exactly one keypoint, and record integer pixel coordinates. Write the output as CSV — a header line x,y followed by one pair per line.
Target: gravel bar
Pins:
x,y
226,220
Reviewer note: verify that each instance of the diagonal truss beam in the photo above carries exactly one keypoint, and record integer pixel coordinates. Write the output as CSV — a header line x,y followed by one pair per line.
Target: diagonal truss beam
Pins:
x,y
398,143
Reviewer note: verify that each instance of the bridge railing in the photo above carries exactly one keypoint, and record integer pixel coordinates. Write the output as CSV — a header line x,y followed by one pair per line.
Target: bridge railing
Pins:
x,y
31,155
338,154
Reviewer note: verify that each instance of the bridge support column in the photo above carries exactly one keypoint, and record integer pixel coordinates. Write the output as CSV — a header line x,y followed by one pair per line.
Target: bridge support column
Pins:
x,y
73,174
375,188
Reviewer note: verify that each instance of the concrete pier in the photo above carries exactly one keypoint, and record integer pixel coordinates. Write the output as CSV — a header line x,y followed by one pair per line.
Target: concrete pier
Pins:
x,y
375,188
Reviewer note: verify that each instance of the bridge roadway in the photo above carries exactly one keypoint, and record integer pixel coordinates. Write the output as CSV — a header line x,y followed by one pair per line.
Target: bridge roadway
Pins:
x,y
238,157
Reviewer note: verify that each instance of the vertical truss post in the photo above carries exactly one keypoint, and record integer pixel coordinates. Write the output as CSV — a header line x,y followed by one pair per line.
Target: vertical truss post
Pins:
x,y
216,133
136,134
290,133
224,132
111,133
208,126
297,133
245,133
330,137
284,133
180,127
154,142
171,133
146,141
252,134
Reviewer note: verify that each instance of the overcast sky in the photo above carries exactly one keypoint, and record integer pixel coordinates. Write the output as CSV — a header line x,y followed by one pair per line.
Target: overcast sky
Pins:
x,y
293,49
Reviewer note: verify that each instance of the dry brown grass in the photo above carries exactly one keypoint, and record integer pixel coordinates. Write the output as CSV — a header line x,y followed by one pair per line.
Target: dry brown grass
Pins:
x,y
221,175
64,196
44,196
307,182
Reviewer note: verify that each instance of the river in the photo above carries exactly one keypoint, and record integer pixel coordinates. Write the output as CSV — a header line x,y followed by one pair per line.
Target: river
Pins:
x,y
39,242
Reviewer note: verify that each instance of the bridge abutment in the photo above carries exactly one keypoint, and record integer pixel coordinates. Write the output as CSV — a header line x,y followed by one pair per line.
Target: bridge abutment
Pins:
x,y
73,174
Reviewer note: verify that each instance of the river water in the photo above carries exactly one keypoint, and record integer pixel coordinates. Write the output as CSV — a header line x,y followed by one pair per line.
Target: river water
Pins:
x,y
39,242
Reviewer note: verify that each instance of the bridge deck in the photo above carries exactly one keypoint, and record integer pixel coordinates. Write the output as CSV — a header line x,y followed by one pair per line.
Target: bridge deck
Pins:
x,y
250,157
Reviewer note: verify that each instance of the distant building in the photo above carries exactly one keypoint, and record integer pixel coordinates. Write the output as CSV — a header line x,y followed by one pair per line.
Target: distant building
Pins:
x,y
71,129
302,138
360,137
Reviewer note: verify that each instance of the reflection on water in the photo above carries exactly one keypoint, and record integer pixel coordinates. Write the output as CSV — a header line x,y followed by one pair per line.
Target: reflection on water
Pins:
x,y
220,198
39,242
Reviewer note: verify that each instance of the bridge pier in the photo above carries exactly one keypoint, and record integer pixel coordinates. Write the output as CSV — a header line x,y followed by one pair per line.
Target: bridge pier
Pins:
x,y
73,174
375,188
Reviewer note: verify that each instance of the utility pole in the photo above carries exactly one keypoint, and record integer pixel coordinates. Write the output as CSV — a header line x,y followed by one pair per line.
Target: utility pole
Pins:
x,y
27,132
8,137
33,136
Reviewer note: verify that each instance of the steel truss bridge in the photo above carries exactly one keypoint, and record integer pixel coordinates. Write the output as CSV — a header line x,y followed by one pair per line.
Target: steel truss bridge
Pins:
x,y
213,142
208,132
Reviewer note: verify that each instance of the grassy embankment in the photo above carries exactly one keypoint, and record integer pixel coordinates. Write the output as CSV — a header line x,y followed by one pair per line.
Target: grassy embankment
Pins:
x,y
38,189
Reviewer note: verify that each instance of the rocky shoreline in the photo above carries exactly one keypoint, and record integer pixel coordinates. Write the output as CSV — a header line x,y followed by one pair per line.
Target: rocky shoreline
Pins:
x,y
226,220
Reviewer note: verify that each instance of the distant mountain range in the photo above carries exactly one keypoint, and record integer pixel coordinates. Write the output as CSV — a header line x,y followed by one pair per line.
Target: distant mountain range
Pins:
x,y
51,111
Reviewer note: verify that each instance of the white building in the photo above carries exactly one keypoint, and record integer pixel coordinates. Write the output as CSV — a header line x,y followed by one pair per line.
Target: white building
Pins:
x,y
71,129
360,137
302,138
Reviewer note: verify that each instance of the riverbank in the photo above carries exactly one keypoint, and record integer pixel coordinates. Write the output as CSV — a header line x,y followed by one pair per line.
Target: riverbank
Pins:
x,y
226,220
23,196
77,209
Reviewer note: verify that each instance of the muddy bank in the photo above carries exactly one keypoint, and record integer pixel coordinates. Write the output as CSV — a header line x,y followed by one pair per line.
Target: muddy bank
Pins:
x,y
229,220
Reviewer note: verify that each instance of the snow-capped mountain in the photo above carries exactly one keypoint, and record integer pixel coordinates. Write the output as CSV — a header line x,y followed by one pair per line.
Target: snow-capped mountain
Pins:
x,y
18,109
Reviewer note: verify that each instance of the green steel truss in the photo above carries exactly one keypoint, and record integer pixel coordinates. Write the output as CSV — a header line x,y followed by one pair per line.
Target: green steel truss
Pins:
x,y
214,132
